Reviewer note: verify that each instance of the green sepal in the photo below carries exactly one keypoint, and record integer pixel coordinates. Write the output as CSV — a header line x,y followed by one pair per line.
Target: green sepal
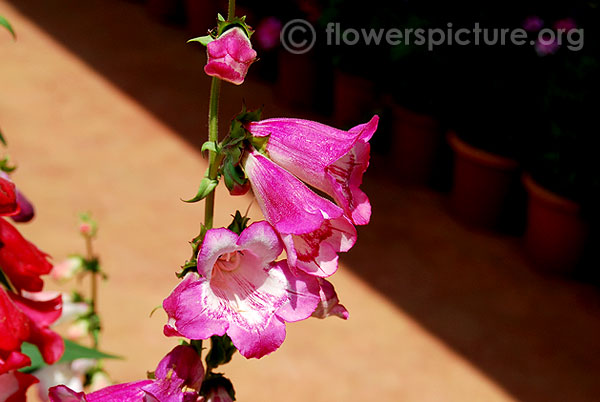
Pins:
x,y
239,223
221,351
92,265
72,352
5,165
4,22
203,40
215,381
210,146
260,143
207,186
2,139
233,174
223,25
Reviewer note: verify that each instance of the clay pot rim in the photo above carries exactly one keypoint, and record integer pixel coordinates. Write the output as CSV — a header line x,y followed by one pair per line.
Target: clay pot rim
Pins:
x,y
480,156
557,201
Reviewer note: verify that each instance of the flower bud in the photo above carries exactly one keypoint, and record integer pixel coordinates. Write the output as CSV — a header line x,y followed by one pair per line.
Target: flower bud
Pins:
x,y
66,269
78,329
230,56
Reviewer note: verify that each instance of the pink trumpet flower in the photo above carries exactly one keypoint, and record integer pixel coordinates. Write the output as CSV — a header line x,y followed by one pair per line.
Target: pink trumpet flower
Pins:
x,y
312,228
178,379
324,157
241,291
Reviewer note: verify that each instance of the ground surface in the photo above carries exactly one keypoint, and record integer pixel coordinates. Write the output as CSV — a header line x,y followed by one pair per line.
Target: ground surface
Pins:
x,y
103,108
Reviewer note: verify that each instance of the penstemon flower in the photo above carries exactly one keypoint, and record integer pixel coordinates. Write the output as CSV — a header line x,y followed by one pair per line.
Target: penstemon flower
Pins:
x,y
312,228
230,56
329,304
178,379
27,320
20,260
241,292
324,157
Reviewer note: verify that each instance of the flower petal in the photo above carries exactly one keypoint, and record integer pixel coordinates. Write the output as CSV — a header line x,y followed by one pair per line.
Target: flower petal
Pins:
x,y
286,202
261,239
216,242
258,342
187,316
302,292
316,253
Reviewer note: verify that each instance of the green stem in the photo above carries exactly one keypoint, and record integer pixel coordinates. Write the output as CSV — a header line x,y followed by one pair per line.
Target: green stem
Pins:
x,y
94,283
231,10
213,135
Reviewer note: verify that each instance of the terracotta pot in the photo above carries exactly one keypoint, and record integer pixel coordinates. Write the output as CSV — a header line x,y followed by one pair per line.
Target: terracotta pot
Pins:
x,y
416,139
556,234
354,98
482,182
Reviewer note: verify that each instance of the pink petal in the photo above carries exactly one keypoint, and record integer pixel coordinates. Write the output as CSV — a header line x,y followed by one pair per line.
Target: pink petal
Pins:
x,y
286,202
329,304
302,293
316,253
258,342
216,242
326,158
183,308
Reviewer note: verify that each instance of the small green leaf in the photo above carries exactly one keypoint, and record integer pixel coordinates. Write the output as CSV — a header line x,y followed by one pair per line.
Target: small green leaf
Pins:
x,y
207,186
203,40
220,18
73,351
4,22
210,146
2,140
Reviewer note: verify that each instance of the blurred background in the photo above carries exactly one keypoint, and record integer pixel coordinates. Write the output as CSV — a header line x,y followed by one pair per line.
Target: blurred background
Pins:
x,y
477,278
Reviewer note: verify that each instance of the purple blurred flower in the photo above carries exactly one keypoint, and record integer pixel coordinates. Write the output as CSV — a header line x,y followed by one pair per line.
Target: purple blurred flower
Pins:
x,y
267,33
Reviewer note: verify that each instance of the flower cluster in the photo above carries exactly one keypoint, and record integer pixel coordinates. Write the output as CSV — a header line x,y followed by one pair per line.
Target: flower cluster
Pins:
x,y
239,288
25,315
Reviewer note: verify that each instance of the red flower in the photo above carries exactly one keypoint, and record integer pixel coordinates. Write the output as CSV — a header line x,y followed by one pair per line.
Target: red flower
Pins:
x,y
24,319
20,260
8,197
13,386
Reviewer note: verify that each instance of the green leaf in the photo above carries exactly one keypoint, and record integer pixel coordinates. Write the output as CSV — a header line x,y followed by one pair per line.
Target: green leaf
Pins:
x,y
2,140
207,185
73,351
4,22
203,40
210,146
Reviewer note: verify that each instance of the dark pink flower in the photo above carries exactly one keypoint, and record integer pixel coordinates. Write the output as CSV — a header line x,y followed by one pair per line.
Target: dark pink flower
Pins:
x,y
241,291
178,378
230,56
326,158
312,228
329,304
